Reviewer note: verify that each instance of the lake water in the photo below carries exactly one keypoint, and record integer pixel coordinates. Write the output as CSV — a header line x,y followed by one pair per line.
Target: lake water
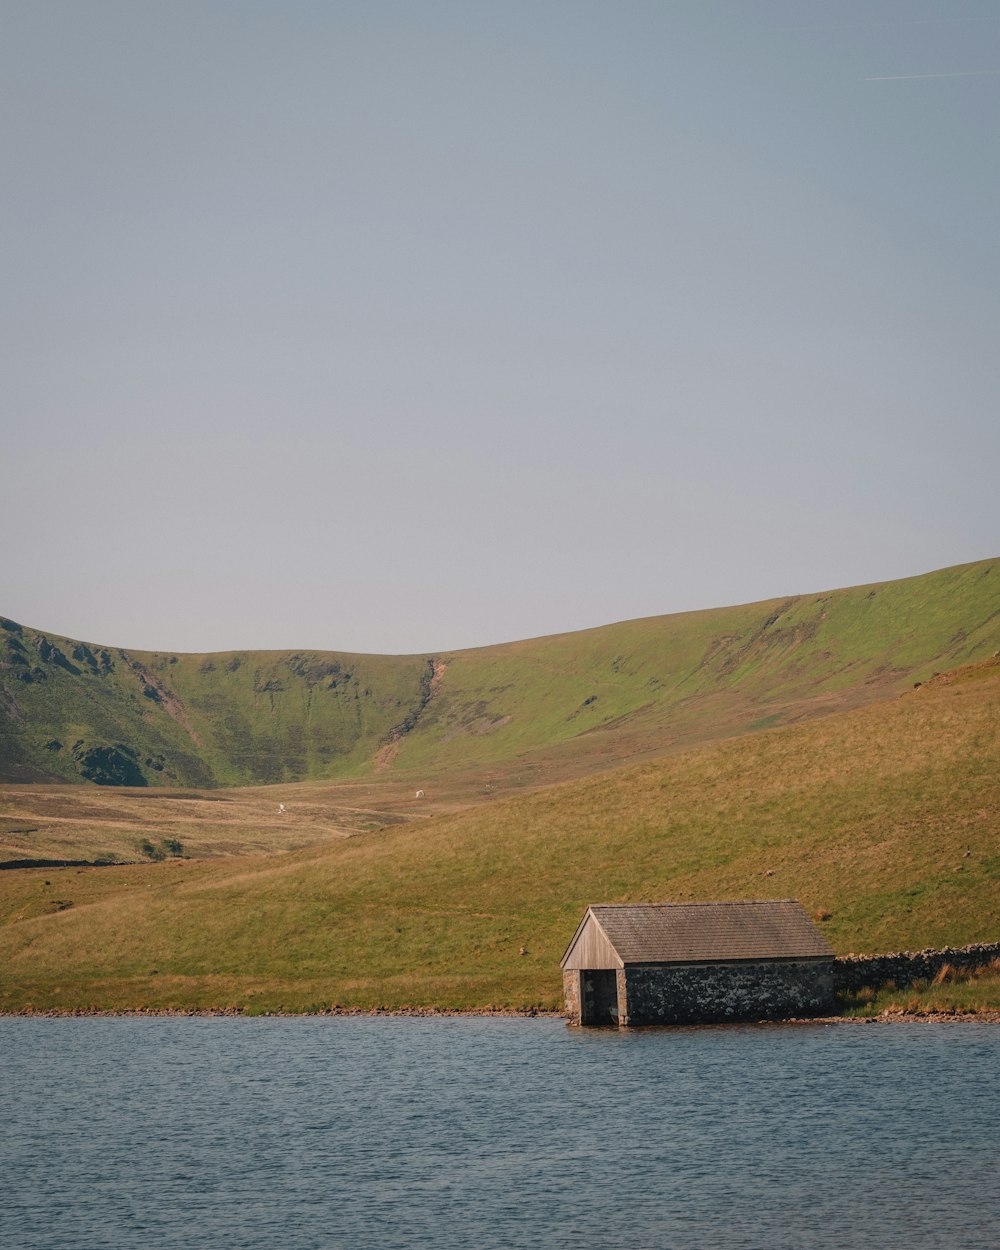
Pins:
x,y
294,1134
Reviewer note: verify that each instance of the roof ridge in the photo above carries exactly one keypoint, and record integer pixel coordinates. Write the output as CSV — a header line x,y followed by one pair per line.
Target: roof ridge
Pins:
x,y
706,902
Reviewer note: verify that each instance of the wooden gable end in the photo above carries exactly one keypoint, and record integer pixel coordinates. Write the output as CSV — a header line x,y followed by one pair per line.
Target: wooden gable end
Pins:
x,y
591,947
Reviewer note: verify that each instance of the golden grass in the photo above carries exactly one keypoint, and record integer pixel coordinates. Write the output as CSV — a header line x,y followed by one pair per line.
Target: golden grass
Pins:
x,y
953,991
112,824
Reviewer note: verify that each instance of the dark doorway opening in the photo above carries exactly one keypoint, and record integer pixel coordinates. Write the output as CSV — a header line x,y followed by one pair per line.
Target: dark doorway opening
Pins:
x,y
599,996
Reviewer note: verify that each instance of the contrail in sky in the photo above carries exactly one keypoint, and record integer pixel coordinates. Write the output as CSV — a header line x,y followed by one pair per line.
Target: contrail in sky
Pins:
x,y
969,73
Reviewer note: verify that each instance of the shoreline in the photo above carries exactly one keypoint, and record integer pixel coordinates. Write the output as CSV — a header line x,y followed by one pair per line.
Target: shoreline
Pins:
x,y
484,1013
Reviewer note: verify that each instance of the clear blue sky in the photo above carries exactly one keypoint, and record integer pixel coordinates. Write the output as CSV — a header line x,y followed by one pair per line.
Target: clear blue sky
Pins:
x,y
410,326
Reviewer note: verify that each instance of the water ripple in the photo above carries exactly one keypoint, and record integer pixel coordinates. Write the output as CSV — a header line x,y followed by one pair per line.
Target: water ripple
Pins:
x,y
318,1134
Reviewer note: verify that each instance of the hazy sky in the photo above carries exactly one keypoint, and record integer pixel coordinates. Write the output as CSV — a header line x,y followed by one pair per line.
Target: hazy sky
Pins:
x,y
410,326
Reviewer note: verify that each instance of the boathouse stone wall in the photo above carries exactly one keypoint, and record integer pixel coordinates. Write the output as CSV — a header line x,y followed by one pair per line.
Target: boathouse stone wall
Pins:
x,y
719,992
571,995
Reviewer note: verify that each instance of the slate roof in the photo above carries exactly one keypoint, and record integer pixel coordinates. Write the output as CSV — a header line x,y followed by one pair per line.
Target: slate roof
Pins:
x,y
705,932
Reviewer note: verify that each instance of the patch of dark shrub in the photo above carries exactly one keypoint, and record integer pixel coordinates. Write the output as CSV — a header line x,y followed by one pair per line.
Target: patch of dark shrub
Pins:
x,y
264,764
188,769
116,765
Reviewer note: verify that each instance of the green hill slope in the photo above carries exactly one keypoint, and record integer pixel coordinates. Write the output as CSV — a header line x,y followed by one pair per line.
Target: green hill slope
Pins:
x,y
554,707
73,712
522,713
883,820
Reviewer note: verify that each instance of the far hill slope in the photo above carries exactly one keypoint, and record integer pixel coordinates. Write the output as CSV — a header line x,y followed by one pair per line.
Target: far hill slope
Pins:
x,y
557,707
521,713
883,821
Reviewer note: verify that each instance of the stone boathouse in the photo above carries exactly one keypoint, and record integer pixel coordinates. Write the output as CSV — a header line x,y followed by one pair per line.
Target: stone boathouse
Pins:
x,y
696,963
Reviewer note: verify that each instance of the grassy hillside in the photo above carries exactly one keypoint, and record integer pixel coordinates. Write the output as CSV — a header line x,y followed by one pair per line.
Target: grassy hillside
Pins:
x,y
883,820
491,719
73,712
557,707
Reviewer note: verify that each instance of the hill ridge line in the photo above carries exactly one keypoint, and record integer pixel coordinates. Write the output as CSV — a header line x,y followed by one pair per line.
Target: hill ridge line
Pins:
x,y
500,717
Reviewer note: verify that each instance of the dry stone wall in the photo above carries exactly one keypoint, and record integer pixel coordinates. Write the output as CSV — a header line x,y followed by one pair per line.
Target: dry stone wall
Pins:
x,y
853,972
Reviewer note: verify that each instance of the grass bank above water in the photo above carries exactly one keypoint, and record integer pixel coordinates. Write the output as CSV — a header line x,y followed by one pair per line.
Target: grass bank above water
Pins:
x,y
954,992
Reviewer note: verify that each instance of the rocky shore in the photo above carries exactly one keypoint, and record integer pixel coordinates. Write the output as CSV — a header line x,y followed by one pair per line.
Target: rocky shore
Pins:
x,y
889,1016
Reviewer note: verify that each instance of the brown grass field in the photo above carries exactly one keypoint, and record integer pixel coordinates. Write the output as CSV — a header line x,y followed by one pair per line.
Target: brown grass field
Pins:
x,y
71,822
